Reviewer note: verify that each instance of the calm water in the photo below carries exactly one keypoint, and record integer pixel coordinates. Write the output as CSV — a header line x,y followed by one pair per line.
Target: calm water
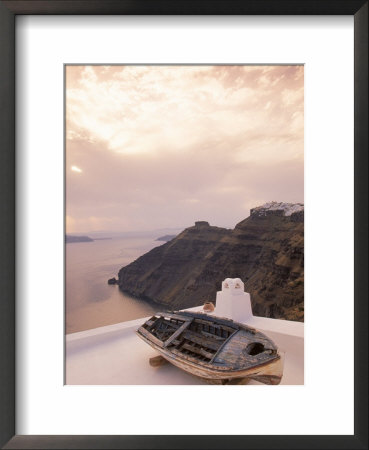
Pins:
x,y
90,301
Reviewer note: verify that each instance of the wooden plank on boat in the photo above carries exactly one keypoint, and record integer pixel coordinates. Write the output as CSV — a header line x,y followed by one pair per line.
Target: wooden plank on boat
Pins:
x,y
171,326
215,325
177,333
202,340
150,337
212,319
176,316
199,351
188,357
213,336
220,348
175,324
249,329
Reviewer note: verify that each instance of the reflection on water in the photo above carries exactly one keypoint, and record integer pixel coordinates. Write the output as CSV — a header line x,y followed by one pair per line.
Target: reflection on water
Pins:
x,y
90,301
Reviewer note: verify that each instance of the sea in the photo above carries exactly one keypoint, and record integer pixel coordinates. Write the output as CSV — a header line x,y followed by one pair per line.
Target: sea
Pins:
x,y
90,302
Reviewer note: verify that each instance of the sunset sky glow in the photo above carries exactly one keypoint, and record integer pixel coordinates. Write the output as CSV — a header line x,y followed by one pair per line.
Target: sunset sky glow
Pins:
x,y
151,147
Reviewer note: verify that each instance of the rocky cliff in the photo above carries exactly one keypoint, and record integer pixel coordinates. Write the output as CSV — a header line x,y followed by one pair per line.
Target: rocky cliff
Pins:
x,y
266,251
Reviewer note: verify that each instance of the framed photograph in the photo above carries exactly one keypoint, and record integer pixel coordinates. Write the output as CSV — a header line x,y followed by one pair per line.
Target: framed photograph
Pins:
x,y
163,216
135,136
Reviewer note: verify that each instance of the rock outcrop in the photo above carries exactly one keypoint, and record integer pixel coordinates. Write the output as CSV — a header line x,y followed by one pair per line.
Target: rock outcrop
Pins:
x,y
166,238
71,239
266,251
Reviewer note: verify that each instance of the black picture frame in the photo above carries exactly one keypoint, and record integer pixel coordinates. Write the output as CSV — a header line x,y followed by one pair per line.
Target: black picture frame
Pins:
x,y
8,12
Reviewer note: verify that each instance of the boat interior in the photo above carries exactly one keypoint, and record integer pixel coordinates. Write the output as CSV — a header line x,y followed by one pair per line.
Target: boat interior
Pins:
x,y
194,337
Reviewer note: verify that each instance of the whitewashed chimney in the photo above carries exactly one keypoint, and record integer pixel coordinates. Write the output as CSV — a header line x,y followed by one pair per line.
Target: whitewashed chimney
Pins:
x,y
232,301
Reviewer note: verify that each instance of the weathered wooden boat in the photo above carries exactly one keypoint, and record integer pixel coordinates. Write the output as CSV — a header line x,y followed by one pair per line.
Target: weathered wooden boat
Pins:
x,y
212,347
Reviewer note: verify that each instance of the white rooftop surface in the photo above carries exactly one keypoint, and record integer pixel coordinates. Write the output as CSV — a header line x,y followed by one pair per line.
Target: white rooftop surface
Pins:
x,y
115,355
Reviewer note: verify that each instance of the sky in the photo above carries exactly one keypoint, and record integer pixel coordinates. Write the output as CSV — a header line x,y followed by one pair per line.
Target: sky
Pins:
x,y
154,147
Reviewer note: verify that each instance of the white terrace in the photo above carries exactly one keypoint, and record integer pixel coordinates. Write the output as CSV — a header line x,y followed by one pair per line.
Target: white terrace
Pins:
x,y
115,355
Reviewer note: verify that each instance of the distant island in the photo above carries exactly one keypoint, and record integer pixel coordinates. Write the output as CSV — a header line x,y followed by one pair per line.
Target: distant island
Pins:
x,y
265,250
166,238
72,239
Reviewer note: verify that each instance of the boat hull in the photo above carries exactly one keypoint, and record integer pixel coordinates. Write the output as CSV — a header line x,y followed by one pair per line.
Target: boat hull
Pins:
x,y
268,373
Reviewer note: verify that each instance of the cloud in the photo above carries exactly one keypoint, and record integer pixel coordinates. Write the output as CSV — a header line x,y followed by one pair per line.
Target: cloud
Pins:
x,y
166,145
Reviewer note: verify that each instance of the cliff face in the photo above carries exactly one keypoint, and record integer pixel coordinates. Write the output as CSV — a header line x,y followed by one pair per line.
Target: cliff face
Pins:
x,y
266,251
